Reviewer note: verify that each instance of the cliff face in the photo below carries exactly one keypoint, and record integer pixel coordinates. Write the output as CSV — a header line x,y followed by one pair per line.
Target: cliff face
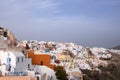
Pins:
x,y
117,47
7,38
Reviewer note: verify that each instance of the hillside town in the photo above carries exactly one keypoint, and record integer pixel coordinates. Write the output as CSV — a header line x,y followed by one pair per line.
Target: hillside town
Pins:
x,y
34,60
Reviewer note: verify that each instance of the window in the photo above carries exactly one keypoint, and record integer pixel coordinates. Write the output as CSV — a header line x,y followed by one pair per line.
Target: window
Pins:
x,y
37,77
9,69
65,60
28,66
18,59
41,63
5,34
8,60
22,59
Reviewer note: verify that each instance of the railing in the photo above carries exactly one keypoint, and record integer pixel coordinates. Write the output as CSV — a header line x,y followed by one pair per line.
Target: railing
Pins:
x,y
18,73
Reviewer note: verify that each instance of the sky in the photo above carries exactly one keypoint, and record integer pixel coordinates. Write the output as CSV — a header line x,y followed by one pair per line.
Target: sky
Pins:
x,y
92,23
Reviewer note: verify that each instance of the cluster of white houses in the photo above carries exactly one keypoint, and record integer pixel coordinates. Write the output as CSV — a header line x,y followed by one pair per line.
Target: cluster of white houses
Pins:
x,y
16,64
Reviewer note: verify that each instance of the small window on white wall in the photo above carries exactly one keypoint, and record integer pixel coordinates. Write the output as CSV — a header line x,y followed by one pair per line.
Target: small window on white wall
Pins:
x,y
28,65
22,59
18,59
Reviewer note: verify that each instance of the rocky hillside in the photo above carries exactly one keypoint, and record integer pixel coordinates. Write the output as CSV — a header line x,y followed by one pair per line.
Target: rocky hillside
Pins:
x,y
7,38
117,47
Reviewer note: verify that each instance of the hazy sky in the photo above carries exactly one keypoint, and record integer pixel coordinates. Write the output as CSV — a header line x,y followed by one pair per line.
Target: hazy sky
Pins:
x,y
85,22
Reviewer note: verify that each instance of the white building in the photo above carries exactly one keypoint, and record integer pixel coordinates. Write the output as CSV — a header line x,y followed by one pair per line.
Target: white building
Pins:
x,y
15,61
45,73
2,69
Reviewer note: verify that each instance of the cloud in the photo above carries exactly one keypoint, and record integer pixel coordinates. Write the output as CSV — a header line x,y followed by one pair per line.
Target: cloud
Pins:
x,y
27,7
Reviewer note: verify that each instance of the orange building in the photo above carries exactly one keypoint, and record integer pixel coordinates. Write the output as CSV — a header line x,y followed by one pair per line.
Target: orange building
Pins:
x,y
40,59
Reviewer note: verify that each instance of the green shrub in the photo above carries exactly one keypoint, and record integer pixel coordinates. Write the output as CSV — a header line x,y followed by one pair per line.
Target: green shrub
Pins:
x,y
60,73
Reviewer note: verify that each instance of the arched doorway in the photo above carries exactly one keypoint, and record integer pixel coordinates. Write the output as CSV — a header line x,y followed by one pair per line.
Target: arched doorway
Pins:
x,y
41,63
